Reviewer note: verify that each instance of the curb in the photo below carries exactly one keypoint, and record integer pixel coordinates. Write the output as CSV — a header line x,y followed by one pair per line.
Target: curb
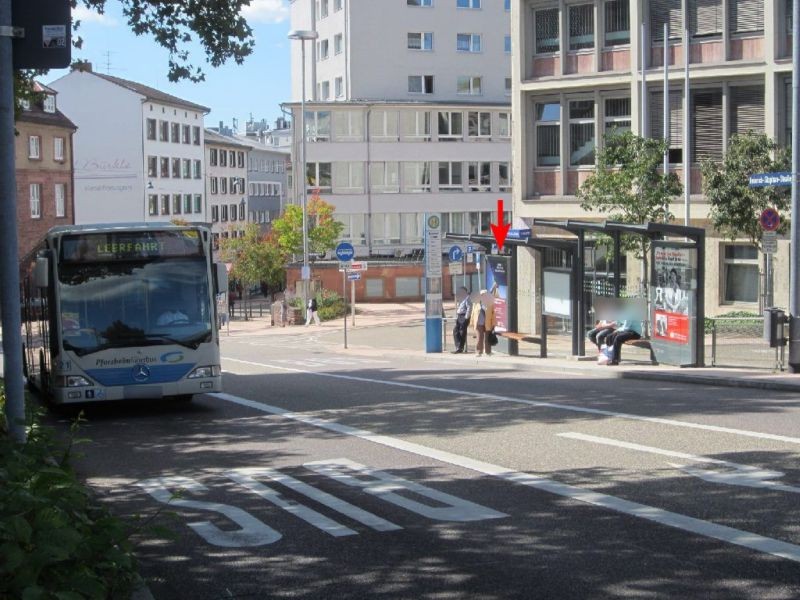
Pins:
x,y
732,382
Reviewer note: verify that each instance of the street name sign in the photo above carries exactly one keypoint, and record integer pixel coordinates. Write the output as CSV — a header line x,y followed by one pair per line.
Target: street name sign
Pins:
x,y
518,234
770,179
354,276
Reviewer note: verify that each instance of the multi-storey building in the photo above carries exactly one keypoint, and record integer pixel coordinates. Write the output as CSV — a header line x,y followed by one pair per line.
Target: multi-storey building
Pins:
x,y
138,151
267,180
226,186
43,158
423,125
577,70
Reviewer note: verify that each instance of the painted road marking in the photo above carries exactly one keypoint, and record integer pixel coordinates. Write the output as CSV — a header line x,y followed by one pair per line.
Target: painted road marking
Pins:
x,y
253,532
723,533
536,403
739,474
247,476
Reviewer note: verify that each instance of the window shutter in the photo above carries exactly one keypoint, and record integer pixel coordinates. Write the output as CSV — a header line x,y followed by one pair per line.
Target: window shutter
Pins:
x,y
705,17
707,116
747,16
665,11
656,109
747,109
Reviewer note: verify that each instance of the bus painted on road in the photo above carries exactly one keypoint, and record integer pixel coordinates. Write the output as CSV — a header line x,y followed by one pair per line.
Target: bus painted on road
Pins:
x,y
114,312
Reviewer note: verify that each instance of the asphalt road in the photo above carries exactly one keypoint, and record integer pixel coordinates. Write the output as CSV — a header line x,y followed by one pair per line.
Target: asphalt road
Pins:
x,y
367,473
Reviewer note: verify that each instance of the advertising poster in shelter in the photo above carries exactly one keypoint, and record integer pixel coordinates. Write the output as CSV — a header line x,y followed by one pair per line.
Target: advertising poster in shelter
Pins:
x,y
497,284
673,303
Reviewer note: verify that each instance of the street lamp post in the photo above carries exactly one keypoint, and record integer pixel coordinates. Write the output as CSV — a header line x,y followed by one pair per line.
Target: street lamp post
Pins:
x,y
303,35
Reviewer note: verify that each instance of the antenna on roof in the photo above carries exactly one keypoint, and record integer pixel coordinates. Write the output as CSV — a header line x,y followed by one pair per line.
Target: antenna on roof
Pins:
x,y
108,66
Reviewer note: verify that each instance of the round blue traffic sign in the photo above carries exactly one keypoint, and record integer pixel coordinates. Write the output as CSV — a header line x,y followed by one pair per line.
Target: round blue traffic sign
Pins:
x,y
770,219
345,251
456,253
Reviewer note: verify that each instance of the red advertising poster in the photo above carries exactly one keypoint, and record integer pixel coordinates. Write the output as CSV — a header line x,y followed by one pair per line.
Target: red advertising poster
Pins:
x,y
672,295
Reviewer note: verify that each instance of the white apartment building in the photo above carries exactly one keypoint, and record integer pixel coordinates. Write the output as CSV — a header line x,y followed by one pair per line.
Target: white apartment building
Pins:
x,y
577,74
138,151
408,111
226,185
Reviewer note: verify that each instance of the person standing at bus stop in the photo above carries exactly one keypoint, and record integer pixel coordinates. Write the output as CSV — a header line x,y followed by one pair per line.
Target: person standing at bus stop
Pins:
x,y
463,311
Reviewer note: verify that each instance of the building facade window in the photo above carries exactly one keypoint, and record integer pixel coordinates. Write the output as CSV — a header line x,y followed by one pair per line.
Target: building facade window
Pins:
x,y
450,178
348,126
746,107
323,9
175,133
420,84
548,134
468,3
152,205
411,231
740,273
35,147
49,103
416,177
581,26
323,50
163,131
581,132
746,16
318,175
384,177
223,158
152,166
61,199
164,166
186,172
58,149
198,203
186,137
338,88
479,124
318,126
507,44
164,204
337,5
176,168
196,135
176,204
348,178
214,213
385,229
419,2
212,157
151,129
198,169
420,41
36,200
468,42
416,124
223,185
383,125
187,204
504,177
469,85
617,22
504,124
326,90
617,112
337,43
706,109
546,29
223,213
479,176
705,18
213,184
666,11
675,122
451,125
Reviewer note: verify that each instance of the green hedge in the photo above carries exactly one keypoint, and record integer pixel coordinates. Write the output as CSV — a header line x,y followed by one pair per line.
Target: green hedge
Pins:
x,y
56,542
330,305
745,323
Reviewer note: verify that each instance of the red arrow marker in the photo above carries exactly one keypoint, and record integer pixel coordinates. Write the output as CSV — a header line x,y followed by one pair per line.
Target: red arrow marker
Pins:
x,y
500,230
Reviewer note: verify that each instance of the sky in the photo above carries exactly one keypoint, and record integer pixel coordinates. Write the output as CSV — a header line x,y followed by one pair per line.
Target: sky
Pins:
x,y
232,91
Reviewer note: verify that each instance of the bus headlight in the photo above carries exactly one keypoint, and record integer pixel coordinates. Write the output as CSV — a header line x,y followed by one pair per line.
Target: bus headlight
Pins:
x,y
72,381
210,371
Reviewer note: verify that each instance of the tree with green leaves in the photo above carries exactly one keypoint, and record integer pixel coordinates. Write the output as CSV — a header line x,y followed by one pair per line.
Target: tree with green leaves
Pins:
x,y
323,229
254,257
629,186
735,206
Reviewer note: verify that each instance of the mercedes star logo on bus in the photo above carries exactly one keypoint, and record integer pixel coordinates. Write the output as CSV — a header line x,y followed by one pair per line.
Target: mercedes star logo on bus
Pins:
x,y
141,373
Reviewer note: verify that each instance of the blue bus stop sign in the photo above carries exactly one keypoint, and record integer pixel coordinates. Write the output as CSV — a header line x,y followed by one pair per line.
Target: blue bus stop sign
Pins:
x,y
455,253
345,251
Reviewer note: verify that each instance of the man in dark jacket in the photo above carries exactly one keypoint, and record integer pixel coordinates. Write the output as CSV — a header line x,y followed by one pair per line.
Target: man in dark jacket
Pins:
x,y
311,311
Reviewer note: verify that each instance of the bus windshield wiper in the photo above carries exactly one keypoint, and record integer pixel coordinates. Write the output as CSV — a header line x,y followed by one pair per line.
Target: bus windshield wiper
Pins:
x,y
190,342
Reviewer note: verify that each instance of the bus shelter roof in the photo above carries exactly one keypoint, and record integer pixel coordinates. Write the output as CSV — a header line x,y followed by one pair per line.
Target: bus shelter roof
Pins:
x,y
651,229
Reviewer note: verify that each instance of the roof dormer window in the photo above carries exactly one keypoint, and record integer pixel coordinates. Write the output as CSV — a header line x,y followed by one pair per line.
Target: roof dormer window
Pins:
x,y
49,104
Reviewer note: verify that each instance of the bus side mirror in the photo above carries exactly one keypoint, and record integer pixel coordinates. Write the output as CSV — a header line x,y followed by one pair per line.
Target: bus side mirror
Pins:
x,y
222,277
41,275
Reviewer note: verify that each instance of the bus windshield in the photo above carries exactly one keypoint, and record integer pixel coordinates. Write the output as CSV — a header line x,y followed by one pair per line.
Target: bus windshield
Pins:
x,y
121,304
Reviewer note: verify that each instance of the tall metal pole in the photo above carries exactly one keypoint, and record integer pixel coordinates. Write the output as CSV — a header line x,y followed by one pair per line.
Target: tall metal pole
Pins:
x,y
687,163
306,276
643,126
794,293
665,112
9,259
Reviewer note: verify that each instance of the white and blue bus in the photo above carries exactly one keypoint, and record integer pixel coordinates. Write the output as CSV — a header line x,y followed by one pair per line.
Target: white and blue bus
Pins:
x,y
113,312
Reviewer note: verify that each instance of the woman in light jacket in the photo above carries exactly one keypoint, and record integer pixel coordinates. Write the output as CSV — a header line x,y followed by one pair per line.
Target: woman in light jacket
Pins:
x,y
483,321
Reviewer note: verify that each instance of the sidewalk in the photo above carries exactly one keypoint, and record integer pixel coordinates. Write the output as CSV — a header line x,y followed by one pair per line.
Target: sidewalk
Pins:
x,y
411,315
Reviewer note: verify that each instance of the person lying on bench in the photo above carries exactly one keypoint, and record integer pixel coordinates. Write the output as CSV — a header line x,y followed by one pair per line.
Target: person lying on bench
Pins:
x,y
631,329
